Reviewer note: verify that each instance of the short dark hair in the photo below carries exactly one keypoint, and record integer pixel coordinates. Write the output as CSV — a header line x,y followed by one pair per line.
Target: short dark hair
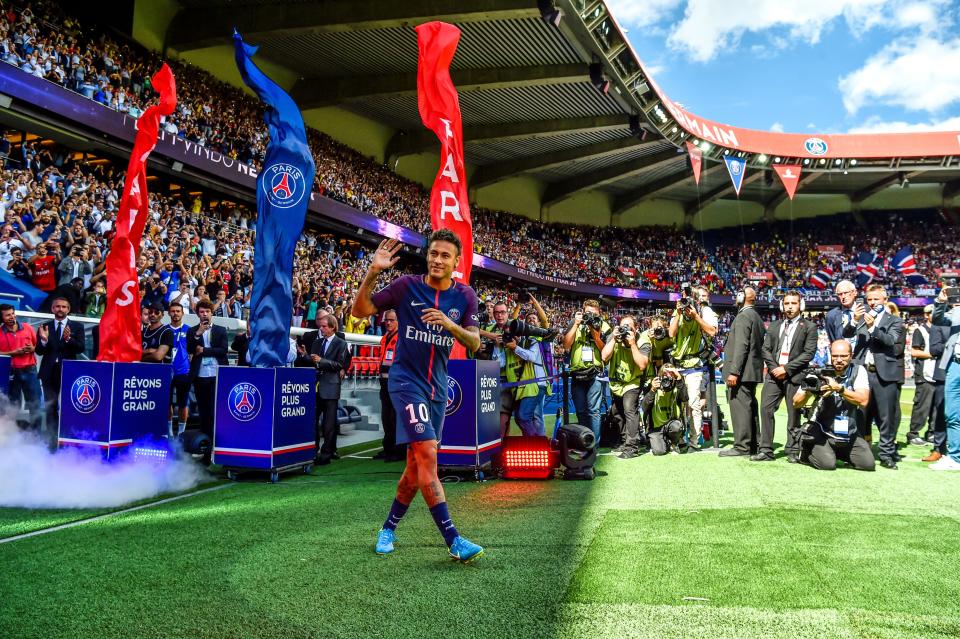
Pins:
x,y
445,235
59,298
172,304
6,307
795,294
207,304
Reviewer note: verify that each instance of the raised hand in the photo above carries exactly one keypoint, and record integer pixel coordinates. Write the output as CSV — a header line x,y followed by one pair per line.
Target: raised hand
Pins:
x,y
66,332
43,333
386,255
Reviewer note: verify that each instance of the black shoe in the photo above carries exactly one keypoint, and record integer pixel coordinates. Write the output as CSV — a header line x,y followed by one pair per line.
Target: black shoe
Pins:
x,y
888,463
792,458
322,461
380,455
897,457
627,453
761,457
732,452
336,456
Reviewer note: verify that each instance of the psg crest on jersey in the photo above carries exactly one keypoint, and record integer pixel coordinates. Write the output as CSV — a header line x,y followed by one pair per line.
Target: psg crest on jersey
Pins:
x,y
85,394
243,402
454,314
284,185
454,396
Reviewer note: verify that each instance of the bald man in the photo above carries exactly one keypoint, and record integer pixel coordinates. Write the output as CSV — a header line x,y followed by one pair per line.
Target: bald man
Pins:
x,y
742,371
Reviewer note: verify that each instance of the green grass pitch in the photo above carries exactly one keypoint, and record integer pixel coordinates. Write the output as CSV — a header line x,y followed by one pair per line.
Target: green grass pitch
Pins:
x,y
677,546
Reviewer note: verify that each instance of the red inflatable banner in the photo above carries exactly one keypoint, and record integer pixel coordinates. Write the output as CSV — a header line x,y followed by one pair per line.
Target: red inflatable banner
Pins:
x,y
440,112
120,325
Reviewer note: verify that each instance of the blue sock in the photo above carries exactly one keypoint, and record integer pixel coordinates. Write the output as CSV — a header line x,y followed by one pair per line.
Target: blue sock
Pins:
x,y
397,511
441,517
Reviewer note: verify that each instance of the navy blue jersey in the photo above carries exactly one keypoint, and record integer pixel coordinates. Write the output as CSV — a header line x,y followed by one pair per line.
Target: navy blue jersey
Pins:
x,y
423,350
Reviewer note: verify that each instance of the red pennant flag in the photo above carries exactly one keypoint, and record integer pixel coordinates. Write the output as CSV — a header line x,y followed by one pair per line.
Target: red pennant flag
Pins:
x,y
440,112
120,324
790,176
696,159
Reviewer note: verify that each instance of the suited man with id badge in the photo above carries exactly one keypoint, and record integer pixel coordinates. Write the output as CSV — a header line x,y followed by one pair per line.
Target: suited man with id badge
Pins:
x,y
831,430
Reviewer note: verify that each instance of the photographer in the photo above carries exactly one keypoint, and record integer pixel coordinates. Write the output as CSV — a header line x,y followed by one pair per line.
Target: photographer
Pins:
x,y
628,362
663,407
832,432
494,349
692,328
584,340
535,362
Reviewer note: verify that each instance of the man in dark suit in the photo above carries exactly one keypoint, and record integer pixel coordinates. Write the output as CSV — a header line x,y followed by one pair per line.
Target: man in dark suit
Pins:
x,y
840,322
207,345
305,342
57,340
788,348
878,349
743,370
331,359
936,344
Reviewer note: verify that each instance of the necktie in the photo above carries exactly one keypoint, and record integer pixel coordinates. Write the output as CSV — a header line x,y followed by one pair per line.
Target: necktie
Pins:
x,y
59,330
785,341
326,345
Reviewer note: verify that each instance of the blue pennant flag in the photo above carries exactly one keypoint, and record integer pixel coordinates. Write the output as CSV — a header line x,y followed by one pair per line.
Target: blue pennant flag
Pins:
x,y
283,192
736,167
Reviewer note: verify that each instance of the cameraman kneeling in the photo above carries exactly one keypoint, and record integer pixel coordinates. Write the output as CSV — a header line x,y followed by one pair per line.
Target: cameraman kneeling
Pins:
x,y
831,431
663,407
628,362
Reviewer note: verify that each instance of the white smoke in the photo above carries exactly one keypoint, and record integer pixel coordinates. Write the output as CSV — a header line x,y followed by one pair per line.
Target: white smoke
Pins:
x,y
33,477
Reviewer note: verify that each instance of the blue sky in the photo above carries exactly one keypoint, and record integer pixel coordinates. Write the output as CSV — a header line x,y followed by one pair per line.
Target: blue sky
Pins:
x,y
829,66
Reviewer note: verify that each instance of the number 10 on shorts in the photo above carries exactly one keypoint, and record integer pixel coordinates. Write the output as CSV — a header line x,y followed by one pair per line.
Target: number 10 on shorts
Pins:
x,y
424,414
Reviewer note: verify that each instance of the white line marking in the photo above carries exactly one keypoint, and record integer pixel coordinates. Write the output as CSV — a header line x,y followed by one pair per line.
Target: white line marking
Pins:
x,y
360,452
71,524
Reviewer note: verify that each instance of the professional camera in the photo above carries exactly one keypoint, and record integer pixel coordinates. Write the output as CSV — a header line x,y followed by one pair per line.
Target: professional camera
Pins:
x,y
518,328
621,333
815,378
686,296
659,333
667,383
593,320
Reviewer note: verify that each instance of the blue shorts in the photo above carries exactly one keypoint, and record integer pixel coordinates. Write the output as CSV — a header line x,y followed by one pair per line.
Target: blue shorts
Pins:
x,y
419,418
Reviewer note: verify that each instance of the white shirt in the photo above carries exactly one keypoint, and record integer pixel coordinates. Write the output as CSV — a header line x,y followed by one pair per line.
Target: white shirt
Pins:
x,y
208,365
788,330
868,359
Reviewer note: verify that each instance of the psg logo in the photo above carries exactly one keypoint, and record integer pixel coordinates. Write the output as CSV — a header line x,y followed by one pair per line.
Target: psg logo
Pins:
x,y
454,397
85,394
735,168
283,184
243,402
455,314
815,146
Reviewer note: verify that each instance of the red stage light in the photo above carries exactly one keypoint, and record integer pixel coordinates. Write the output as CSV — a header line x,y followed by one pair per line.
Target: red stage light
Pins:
x,y
527,458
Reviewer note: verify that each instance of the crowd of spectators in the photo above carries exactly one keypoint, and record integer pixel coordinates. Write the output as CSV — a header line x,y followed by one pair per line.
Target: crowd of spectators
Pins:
x,y
45,40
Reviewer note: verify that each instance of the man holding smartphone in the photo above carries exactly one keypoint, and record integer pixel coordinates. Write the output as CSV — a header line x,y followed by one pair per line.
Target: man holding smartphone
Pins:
x,y
207,345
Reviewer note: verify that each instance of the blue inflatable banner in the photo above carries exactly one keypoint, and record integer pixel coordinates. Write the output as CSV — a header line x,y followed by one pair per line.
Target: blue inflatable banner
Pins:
x,y
283,193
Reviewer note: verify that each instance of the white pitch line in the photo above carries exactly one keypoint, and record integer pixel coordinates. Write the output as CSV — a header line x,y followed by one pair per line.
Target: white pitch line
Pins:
x,y
80,522
357,454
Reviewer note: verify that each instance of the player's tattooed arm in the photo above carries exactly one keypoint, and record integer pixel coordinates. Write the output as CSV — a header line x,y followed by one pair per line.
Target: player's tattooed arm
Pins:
x,y
383,259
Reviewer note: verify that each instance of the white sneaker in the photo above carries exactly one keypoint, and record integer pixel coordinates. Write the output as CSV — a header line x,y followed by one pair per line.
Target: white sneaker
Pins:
x,y
946,463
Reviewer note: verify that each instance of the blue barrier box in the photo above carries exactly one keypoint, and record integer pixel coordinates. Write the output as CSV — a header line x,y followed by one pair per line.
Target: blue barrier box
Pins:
x,y
265,419
471,429
111,406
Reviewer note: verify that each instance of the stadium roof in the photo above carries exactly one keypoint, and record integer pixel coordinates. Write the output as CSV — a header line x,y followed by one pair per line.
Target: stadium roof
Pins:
x,y
530,75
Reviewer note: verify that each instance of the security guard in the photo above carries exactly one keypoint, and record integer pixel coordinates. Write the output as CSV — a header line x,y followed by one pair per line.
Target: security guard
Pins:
x,y
584,340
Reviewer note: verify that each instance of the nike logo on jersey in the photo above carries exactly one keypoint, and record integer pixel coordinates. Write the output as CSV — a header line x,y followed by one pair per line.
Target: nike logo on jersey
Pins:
x,y
418,303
